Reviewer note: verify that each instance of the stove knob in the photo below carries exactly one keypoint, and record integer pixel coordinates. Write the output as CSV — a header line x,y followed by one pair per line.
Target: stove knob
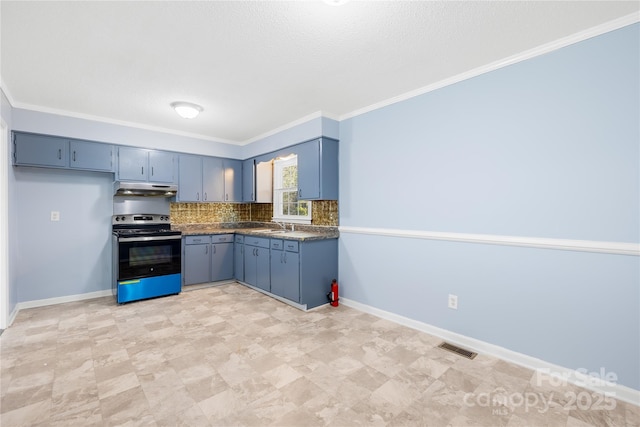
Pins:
x,y
122,218
117,218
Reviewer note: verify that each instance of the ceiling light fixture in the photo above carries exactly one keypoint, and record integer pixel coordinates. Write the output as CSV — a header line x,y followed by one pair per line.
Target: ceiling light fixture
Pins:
x,y
186,110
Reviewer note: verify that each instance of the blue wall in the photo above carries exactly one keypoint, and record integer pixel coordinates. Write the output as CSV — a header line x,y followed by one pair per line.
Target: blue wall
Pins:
x,y
69,257
548,147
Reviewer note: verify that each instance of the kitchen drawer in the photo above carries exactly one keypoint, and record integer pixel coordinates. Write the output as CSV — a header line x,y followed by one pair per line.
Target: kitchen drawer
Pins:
x,y
239,238
222,238
276,244
290,246
197,240
256,241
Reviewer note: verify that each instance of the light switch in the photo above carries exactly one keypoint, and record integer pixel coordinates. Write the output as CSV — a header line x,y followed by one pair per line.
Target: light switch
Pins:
x,y
55,216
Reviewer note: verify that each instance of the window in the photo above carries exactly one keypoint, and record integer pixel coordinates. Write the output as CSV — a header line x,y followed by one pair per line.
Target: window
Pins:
x,y
286,206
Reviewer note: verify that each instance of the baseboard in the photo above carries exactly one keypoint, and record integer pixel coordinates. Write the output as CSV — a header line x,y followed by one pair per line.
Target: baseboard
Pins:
x,y
617,391
13,315
62,300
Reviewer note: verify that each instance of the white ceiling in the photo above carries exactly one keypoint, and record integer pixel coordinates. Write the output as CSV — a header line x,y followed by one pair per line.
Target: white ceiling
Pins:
x,y
257,66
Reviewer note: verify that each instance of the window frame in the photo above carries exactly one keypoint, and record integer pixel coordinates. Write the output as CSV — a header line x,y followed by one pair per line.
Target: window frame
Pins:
x,y
278,192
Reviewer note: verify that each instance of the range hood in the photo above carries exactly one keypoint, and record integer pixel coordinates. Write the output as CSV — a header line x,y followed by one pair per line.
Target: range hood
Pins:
x,y
144,189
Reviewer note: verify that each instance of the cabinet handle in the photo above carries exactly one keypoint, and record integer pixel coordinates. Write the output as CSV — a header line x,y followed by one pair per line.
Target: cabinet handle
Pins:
x,y
300,192
142,173
206,250
214,249
59,153
151,170
74,155
198,196
205,196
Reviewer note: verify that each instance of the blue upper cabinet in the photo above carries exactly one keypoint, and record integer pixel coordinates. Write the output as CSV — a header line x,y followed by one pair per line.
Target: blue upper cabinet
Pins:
x,y
190,182
209,179
232,180
40,150
161,166
139,164
91,156
318,169
56,152
249,180
212,179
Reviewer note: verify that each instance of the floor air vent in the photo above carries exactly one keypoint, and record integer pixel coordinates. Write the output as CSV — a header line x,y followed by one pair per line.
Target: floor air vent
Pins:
x,y
457,350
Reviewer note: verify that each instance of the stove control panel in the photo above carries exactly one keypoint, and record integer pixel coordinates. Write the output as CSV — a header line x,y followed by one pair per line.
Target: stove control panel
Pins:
x,y
141,219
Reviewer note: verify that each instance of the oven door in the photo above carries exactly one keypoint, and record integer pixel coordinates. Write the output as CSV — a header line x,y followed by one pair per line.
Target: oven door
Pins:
x,y
148,256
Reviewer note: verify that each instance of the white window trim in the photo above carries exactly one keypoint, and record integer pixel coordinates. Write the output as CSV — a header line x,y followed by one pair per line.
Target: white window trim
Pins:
x,y
278,165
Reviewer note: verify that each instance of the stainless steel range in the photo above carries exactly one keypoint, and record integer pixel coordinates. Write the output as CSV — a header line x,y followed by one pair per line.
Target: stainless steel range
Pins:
x,y
146,257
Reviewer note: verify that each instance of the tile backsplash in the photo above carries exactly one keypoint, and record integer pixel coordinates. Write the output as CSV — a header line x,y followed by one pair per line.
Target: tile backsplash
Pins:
x,y
323,212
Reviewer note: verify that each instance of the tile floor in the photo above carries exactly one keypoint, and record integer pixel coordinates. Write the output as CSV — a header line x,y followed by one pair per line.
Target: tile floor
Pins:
x,y
230,356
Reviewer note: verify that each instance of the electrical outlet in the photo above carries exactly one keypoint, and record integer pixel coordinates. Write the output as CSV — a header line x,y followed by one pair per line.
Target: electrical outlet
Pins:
x,y
55,216
453,301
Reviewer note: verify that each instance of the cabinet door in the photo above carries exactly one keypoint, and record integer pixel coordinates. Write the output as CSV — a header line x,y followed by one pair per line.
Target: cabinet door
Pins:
x,y
197,264
161,166
291,276
250,266
264,182
41,150
232,180
190,183
277,272
309,170
91,156
133,164
222,261
238,270
212,179
263,279
249,180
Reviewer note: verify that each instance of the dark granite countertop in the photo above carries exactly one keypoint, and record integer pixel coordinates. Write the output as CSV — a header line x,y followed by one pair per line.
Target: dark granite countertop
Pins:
x,y
261,229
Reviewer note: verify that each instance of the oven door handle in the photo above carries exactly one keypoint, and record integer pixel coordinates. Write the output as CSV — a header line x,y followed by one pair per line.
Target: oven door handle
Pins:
x,y
149,238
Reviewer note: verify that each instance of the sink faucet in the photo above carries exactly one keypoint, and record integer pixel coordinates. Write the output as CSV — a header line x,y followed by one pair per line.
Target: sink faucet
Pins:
x,y
284,226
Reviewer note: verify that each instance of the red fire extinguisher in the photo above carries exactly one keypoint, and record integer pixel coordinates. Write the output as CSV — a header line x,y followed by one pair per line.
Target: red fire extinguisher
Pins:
x,y
333,295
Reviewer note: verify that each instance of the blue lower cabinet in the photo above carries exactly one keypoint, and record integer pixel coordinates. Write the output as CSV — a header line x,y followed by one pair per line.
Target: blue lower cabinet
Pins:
x,y
222,257
148,287
256,262
238,255
302,272
285,269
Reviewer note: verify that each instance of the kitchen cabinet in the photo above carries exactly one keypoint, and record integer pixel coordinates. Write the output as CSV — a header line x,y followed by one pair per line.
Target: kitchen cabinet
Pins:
x,y
317,169
196,259
222,257
232,180
285,269
207,258
257,181
190,178
56,152
256,262
40,150
94,156
249,180
302,271
238,258
209,179
212,179
138,164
